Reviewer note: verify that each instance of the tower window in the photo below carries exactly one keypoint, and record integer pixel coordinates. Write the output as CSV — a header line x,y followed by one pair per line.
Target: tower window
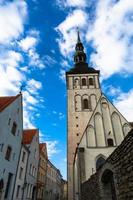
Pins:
x,y
110,142
83,81
91,82
85,104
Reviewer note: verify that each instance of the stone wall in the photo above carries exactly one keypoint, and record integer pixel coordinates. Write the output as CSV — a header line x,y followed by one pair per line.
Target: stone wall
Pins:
x,y
90,189
118,169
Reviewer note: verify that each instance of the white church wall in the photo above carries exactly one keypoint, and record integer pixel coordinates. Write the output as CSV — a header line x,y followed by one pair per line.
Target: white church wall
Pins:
x,y
107,120
100,138
91,155
91,137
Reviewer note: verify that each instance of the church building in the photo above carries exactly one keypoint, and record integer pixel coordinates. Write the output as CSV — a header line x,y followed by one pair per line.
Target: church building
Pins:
x,y
95,126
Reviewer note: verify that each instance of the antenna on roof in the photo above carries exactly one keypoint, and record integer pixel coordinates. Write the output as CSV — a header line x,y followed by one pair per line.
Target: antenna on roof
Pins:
x,y
22,87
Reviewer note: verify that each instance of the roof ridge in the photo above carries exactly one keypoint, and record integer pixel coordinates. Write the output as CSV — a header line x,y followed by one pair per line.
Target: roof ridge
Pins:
x,y
5,101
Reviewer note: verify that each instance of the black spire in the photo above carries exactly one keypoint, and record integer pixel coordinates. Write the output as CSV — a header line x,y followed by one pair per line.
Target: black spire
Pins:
x,y
80,67
79,56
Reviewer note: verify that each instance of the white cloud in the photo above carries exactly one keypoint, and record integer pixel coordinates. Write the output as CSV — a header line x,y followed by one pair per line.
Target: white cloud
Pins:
x,y
124,103
111,35
67,30
12,18
52,148
49,61
72,3
62,75
13,72
27,43
61,115
35,60
111,90
32,86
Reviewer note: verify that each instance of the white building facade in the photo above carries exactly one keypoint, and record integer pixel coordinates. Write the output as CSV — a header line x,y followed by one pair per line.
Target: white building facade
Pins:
x,y
20,184
11,128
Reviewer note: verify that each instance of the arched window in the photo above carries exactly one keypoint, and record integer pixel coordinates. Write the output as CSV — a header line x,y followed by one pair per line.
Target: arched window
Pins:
x,y
83,81
85,104
91,82
110,142
100,161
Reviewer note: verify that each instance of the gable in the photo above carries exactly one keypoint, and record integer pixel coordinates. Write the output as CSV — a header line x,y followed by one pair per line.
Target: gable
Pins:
x,y
106,123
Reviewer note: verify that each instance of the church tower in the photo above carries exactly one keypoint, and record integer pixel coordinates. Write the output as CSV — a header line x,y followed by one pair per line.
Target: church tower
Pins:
x,y
83,93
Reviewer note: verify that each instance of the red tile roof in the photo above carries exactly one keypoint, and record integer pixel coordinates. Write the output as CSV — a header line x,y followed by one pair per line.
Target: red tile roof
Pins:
x,y
6,101
41,145
28,135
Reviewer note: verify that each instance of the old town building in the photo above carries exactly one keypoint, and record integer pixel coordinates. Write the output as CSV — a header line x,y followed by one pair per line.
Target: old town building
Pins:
x,y
95,126
53,183
23,161
42,171
64,185
11,128
31,140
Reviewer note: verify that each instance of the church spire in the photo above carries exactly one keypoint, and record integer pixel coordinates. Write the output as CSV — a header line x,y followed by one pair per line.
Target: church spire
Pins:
x,y
78,38
80,56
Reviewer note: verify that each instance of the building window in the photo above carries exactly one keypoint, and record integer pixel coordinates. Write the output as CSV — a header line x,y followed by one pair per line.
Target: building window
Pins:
x,y
83,81
85,104
23,156
91,81
8,153
18,190
110,142
20,173
35,153
100,161
14,128
8,186
9,121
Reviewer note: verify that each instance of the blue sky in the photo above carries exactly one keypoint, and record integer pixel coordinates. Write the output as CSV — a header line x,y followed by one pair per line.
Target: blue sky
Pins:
x,y
37,40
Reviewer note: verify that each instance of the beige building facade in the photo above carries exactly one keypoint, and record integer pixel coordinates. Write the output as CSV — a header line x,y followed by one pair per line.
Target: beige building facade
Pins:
x,y
53,183
42,172
83,93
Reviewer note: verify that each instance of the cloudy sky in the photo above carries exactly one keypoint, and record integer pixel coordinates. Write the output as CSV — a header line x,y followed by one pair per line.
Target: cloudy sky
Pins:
x,y
37,40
